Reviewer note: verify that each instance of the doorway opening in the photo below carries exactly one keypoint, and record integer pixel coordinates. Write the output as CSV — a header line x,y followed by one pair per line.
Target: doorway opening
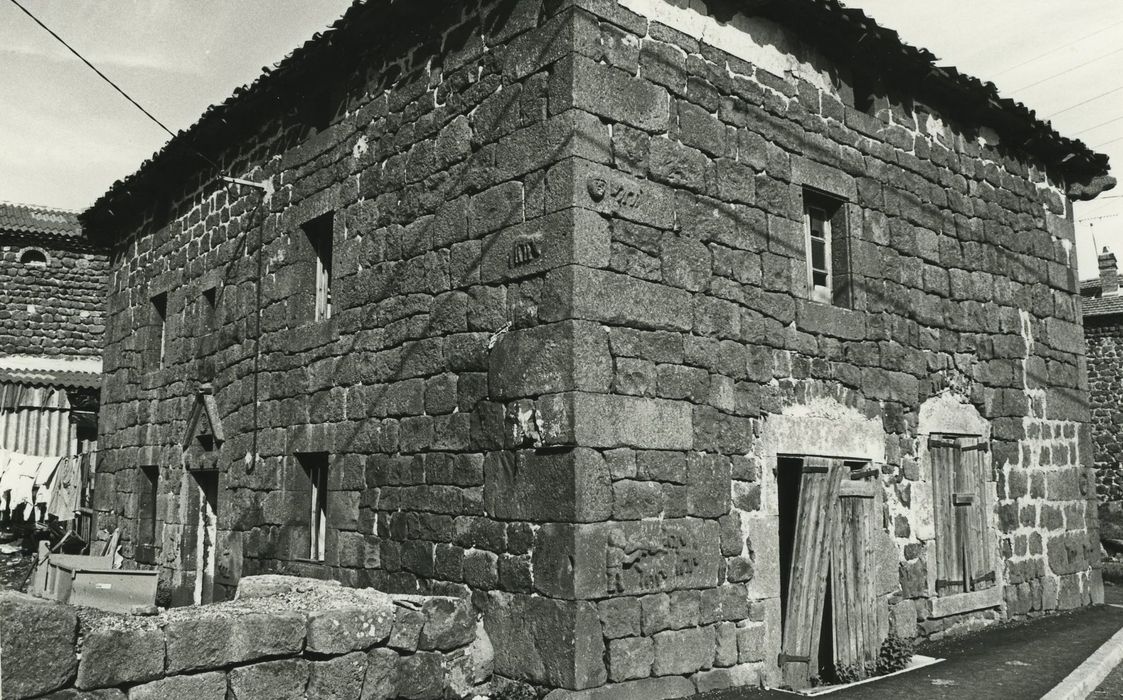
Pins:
x,y
206,535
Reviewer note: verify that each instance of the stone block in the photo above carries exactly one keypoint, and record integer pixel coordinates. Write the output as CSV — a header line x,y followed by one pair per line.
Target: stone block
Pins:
x,y
608,421
408,621
610,93
547,359
72,694
741,676
567,237
273,584
707,484
545,641
568,486
197,686
449,624
351,627
664,688
112,657
211,641
620,617
608,297
37,639
340,678
615,194
278,680
381,674
421,676
684,651
627,558
630,658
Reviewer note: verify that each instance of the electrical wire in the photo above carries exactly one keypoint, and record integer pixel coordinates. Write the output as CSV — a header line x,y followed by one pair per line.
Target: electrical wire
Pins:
x,y
1057,75
1050,52
1100,145
104,77
1109,121
1080,104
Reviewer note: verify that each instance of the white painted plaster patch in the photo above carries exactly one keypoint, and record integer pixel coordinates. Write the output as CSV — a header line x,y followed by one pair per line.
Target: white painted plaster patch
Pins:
x,y
752,39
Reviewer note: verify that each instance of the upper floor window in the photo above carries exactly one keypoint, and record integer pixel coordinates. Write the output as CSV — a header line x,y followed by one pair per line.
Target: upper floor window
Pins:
x,y
208,311
158,343
33,257
320,232
963,542
827,249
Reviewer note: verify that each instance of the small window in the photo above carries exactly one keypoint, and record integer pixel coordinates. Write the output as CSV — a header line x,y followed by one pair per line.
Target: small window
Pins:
x,y
963,544
208,311
320,233
315,466
147,490
33,257
159,330
864,91
827,249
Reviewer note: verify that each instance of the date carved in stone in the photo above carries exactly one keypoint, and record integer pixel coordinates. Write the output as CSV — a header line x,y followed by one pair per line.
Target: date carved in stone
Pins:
x,y
645,562
617,192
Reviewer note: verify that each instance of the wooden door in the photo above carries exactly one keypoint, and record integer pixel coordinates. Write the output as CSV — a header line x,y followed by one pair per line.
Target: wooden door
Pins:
x,y
814,533
853,598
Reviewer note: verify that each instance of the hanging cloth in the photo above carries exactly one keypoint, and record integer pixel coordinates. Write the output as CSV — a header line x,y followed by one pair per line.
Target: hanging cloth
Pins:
x,y
65,489
19,478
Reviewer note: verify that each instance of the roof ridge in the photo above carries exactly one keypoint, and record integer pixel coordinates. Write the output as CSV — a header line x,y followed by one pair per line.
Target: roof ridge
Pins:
x,y
40,207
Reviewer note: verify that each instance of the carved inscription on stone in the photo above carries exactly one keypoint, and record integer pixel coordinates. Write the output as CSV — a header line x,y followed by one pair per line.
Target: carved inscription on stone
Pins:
x,y
655,558
525,250
618,193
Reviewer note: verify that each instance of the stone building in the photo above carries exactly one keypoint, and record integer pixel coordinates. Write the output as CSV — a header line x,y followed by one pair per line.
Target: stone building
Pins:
x,y
670,333
51,322
1103,334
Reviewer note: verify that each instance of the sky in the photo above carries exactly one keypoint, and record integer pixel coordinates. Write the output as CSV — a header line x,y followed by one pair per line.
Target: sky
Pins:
x,y
65,136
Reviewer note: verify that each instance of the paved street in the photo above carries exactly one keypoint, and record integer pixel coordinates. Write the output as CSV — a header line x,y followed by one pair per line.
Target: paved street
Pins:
x,y
1013,661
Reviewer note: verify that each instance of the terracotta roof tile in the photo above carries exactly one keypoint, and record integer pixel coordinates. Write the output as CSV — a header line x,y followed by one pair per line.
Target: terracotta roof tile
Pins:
x,y
44,221
851,30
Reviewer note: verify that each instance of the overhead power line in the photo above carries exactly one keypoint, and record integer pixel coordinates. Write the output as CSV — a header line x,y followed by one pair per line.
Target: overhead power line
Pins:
x,y
1057,75
1050,52
1081,104
1100,145
1109,121
93,67
115,86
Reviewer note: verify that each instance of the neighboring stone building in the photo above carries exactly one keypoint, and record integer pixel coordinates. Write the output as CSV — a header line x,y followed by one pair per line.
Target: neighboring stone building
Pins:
x,y
51,323
638,339
1103,333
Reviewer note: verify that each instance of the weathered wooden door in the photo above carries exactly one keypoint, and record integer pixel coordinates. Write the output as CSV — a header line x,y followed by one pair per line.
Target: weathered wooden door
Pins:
x,y
814,533
959,477
857,638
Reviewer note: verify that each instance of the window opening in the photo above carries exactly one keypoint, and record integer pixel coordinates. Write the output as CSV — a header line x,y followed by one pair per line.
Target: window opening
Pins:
x,y
160,325
208,310
320,235
148,487
827,249
315,467
33,257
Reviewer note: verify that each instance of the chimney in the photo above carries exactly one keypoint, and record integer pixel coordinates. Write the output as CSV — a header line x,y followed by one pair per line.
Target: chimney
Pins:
x,y
1109,273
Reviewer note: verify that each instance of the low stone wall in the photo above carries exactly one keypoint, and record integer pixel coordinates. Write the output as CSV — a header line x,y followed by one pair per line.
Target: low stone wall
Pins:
x,y
283,637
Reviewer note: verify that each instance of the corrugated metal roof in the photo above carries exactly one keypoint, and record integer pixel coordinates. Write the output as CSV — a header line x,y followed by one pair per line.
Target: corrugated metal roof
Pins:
x,y
42,221
70,380
848,32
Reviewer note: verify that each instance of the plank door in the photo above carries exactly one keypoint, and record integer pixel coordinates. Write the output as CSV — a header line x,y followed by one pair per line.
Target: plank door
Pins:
x,y
853,597
818,495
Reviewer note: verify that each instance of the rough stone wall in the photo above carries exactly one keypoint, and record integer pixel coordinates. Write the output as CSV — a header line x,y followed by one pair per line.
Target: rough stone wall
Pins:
x,y
56,310
697,333
283,637
1105,382
569,313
